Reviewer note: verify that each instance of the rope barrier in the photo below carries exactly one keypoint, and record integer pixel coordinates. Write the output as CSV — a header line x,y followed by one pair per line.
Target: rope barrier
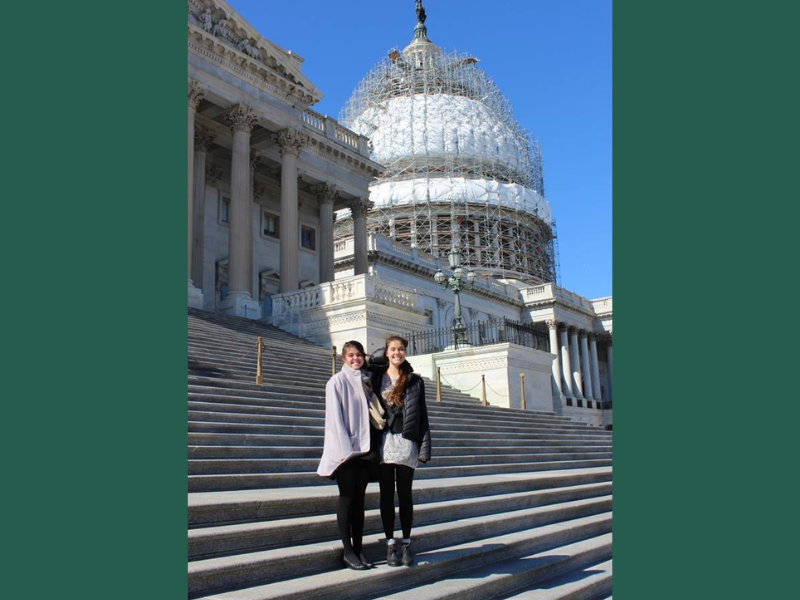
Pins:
x,y
496,392
458,390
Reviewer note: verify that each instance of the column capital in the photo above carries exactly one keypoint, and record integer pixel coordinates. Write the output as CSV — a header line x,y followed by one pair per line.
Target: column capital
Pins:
x,y
213,175
359,207
572,329
325,192
552,324
241,117
203,139
196,93
583,333
592,336
290,141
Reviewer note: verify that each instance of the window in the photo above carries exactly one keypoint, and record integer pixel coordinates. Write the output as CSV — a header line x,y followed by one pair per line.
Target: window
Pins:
x,y
308,237
224,210
270,225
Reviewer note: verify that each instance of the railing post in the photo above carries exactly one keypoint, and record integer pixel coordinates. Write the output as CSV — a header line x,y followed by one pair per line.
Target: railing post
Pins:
x,y
438,384
333,361
522,389
483,389
259,379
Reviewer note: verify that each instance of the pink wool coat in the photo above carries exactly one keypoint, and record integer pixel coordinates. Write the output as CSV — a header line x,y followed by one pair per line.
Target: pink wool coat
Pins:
x,y
346,420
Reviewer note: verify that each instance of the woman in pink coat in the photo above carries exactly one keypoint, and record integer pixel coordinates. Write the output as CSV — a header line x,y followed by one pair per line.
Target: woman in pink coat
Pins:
x,y
348,454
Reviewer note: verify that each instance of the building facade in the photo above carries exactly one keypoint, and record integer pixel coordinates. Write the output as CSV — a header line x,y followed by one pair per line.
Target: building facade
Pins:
x,y
335,232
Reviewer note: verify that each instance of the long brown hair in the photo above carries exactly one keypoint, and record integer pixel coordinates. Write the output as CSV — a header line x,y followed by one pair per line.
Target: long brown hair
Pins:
x,y
395,397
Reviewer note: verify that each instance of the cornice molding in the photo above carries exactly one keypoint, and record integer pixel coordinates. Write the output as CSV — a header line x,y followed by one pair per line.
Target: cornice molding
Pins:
x,y
257,73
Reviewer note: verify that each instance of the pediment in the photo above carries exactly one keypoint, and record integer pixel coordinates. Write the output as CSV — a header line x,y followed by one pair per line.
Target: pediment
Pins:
x,y
218,26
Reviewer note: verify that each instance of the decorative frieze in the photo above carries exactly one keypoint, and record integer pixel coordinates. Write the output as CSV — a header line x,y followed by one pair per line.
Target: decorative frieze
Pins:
x,y
483,364
241,117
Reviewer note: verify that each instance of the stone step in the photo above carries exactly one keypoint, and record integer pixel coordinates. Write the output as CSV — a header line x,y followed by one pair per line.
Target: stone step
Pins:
x,y
439,434
457,408
203,352
265,406
248,537
468,401
240,506
568,572
442,452
317,397
438,421
242,481
250,465
590,582
201,438
439,554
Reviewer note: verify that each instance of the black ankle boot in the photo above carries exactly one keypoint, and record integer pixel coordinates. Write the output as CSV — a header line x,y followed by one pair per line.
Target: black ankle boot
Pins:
x,y
406,556
391,556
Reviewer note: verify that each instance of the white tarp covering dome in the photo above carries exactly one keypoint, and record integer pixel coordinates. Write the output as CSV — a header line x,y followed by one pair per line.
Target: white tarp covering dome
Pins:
x,y
459,169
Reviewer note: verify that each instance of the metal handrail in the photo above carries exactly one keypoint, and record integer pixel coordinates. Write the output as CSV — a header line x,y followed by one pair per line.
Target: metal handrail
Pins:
x,y
481,333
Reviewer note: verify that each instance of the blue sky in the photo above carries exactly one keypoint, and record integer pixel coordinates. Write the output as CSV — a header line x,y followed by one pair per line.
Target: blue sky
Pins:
x,y
551,58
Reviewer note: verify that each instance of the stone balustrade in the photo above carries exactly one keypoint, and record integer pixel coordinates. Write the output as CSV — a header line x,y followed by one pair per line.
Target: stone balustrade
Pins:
x,y
603,305
550,291
349,289
347,137
314,120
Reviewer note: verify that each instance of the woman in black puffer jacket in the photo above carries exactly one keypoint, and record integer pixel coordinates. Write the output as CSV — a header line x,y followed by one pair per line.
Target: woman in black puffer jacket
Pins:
x,y
406,442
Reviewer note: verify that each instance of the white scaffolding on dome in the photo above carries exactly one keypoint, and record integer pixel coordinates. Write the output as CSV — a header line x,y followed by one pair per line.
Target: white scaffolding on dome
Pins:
x,y
459,169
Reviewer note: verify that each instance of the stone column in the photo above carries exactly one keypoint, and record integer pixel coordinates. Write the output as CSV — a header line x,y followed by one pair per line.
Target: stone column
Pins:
x,y
213,177
325,192
586,375
576,362
196,93
255,161
610,376
203,140
290,142
566,368
358,208
239,300
552,327
595,367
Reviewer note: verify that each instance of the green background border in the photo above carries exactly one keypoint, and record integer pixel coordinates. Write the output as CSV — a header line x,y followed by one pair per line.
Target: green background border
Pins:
x,y
95,304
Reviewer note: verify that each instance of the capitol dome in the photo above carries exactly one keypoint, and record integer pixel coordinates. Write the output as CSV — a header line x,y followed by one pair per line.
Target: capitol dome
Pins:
x,y
459,168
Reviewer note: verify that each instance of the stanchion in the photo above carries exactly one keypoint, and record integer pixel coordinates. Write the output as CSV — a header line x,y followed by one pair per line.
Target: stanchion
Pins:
x,y
259,379
522,390
483,389
333,361
438,384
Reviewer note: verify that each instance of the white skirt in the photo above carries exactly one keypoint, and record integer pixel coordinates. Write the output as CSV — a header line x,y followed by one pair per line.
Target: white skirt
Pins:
x,y
397,450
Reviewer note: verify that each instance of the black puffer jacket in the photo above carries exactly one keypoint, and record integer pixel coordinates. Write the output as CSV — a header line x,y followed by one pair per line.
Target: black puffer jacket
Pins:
x,y
415,411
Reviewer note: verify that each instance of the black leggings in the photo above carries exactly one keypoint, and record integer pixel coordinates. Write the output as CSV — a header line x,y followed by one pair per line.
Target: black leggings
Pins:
x,y
352,478
404,476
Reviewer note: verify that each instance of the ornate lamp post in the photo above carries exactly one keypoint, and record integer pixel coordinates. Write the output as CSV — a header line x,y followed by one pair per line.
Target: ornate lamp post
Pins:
x,y
456,282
